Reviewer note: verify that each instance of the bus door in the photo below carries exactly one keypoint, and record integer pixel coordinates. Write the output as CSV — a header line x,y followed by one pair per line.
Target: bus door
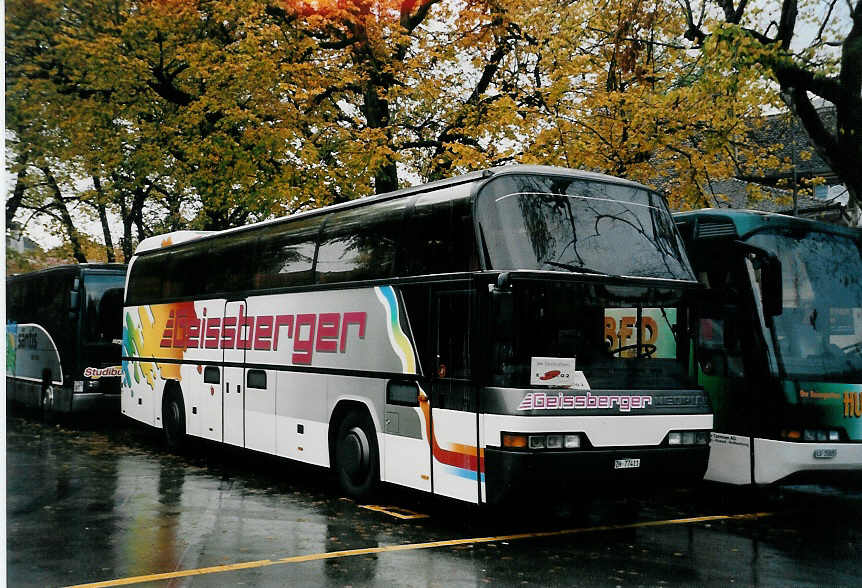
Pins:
x,y
733,370
457,467
260,383
233,387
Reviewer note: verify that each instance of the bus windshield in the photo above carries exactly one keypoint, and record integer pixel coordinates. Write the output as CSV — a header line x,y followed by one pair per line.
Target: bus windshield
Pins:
x,y
577,225
621,337
819,331
103,303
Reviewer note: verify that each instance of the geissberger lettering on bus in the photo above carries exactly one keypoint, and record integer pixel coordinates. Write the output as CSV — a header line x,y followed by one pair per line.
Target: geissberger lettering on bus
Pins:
x,y
325,332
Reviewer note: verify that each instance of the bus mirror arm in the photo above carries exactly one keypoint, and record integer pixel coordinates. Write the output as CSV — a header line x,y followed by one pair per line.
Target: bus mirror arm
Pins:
x,y
770,276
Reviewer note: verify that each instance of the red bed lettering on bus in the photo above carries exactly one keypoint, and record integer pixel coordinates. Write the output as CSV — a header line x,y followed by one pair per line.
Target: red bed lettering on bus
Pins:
x,y
550,374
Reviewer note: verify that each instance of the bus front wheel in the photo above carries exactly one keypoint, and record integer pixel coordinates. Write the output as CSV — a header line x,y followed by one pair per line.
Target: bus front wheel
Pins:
x,y
174,420
356,458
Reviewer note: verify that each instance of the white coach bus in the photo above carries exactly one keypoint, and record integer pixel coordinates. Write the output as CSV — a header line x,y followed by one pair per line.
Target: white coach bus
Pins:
x,y
517,328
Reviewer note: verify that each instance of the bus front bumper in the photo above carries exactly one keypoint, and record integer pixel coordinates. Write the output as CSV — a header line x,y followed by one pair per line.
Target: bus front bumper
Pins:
x,y
513,474
792,462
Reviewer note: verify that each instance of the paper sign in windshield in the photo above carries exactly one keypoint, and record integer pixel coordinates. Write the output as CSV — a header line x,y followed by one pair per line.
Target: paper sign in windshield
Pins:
x,y
552,371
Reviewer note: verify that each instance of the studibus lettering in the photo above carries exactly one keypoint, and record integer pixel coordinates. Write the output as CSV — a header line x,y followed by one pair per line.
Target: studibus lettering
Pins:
x,y
326,332
560,401
107,372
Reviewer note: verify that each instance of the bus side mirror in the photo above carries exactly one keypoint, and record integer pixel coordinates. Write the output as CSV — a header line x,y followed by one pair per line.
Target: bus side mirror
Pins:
x,y
770,285
74,303
769,266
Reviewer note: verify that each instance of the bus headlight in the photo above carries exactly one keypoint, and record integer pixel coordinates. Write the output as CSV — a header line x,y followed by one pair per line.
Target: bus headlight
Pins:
x,y
572,441
688,438
819,435
537,441
541,441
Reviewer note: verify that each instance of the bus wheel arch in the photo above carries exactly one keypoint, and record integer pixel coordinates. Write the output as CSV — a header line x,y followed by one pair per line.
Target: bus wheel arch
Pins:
x,y
173,415
353,449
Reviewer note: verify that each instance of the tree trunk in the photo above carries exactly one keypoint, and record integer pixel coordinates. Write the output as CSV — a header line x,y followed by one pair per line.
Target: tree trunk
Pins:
x,y
126,239
376,111
103,218
65,217
18,193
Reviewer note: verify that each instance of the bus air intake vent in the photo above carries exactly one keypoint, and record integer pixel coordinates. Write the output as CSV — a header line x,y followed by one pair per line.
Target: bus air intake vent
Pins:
x,y
715,229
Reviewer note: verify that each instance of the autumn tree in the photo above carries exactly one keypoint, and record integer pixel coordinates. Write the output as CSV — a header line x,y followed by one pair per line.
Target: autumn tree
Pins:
x,y
613,89
410,86
811,50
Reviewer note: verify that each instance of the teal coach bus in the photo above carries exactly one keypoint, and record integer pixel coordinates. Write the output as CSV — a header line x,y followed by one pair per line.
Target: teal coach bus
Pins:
x,y
779,338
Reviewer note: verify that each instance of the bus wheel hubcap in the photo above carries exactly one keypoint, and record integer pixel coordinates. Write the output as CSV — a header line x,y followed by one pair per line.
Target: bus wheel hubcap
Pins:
x,y
355,452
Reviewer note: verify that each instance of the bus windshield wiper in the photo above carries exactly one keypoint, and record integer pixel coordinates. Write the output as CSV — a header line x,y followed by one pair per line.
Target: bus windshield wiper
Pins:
x,y
575,268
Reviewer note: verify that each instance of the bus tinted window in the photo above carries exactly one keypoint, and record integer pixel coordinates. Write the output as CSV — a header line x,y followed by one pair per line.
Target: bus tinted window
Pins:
x,y
230,264
186,272
146,276
103,304
360,243
285,255
440,236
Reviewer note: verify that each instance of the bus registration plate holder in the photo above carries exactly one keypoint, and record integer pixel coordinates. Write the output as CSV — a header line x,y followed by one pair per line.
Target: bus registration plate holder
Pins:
x,y
624,464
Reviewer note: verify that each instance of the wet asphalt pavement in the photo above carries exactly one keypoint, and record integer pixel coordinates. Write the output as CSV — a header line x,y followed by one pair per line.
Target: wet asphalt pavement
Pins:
x,y
93,503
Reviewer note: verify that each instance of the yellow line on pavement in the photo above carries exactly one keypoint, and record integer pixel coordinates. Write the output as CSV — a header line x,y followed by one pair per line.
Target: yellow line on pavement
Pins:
x,y
413,546
394,511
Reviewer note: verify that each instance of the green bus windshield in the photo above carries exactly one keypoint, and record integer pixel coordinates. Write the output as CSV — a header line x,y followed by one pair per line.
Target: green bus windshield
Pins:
x,y
818,334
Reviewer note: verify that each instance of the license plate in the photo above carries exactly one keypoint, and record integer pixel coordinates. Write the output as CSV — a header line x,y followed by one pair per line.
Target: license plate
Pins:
x,y
624,464
825,453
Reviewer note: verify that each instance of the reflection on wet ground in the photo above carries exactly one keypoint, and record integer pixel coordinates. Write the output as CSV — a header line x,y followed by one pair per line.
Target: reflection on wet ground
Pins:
x,y
93,503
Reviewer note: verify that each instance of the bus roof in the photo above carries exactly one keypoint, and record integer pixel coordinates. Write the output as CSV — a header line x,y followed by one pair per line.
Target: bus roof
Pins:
x,y
70,268
170,240
730,222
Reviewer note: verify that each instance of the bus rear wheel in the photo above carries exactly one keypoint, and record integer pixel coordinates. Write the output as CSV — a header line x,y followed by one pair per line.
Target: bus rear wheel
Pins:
x,y
356,457
174,420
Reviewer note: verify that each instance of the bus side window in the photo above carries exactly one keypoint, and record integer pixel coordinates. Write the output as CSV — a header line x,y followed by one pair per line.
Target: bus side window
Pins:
x,y
146,276
230,264
440,236
256,379
360,244
285,255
